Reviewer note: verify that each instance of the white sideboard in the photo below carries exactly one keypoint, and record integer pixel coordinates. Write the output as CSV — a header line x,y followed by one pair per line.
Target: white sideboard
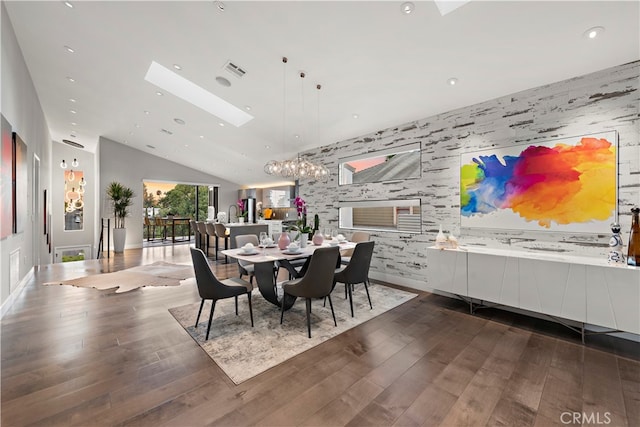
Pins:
x,y
582,289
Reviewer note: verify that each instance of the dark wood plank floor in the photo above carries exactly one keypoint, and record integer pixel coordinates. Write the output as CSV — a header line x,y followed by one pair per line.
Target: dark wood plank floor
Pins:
x,y
85,357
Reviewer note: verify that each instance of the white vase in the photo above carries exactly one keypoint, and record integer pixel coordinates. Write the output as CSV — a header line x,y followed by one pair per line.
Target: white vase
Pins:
x,y
119,238
441,239
303,240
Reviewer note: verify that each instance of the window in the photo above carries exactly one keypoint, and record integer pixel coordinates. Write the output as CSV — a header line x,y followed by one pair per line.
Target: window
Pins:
x,y
397,163
403,216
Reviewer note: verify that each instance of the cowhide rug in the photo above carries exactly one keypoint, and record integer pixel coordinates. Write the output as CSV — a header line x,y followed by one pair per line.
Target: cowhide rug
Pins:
x,y
156,274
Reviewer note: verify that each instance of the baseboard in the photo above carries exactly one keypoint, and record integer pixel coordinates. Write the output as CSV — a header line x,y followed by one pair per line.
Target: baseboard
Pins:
x,y
8,303
396,280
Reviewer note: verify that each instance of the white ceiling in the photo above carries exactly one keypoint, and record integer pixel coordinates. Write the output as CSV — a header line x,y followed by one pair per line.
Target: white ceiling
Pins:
x,y
372,60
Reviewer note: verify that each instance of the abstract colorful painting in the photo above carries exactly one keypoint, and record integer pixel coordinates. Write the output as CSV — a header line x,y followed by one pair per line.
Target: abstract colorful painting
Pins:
x,y
568,184
20,184
6,180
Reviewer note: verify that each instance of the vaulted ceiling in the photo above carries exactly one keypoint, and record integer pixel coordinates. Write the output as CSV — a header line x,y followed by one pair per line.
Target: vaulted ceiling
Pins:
x,y
374,62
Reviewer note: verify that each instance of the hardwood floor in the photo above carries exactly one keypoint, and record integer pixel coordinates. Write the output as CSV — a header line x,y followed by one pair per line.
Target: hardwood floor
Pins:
x,y
73,356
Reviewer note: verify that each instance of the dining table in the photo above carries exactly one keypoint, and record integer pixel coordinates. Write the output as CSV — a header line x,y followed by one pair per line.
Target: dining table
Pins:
x,y
264,259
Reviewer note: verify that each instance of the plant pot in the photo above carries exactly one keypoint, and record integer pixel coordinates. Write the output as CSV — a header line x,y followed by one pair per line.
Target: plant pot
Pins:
x,y
241,220
119,238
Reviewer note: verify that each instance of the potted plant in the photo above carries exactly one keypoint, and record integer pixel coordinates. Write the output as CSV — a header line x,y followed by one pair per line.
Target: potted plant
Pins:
x,y
301,226
121,199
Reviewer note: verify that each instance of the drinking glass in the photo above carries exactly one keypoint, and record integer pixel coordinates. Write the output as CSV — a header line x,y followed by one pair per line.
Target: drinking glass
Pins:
x,y
263,242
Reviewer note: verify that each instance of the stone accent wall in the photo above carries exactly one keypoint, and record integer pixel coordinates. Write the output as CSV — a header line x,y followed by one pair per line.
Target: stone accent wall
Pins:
x,y
601,101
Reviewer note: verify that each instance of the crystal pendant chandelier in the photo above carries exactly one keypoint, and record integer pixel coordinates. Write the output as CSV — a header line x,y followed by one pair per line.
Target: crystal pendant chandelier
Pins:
x,y
297,168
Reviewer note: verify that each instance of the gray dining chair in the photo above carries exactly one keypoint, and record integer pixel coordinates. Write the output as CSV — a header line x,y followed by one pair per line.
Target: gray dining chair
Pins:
x,y
246,267
357,271
317,283
209,287
356,237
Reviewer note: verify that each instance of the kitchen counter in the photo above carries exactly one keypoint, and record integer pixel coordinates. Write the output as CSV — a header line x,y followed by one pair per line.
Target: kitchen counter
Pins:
x,y
238,229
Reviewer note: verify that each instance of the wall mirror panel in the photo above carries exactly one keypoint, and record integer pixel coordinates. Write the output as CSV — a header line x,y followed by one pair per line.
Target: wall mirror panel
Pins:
x,y
397,163
402,216
74,184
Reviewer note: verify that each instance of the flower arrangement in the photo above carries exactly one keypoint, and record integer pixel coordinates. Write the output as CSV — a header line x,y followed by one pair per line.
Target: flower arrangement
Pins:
x,y
242,209
301,223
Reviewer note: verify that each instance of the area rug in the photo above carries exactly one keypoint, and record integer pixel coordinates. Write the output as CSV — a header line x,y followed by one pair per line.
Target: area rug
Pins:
x,y
243,352
156,274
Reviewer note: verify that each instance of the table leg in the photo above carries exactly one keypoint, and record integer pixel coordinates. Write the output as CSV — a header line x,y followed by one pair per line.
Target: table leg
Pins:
x,y
267,285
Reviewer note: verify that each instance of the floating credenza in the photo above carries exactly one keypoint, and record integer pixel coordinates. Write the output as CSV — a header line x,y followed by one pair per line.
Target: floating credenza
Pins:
x,y
576,288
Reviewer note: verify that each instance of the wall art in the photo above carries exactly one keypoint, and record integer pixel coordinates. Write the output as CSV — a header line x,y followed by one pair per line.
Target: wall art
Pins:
x,y
566,185
20,184
6,179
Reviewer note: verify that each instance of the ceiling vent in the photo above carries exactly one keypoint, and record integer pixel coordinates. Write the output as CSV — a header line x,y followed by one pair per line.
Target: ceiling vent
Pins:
x,y
234,69
168,132
151,146
72,143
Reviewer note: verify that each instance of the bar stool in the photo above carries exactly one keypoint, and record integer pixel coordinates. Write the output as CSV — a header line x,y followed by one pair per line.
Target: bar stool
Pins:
x,y
196,234
202,232
221,233
211,232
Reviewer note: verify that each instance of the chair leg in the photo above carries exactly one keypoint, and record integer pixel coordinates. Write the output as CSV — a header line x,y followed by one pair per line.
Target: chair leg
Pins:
x,y
345,291
199,311
308,301
226,246
350,299
217,246
236,298
213,305
366,288
250,308
282,308
332,312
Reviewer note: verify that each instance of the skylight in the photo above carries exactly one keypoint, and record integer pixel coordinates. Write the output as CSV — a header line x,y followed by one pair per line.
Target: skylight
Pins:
x,y
185,89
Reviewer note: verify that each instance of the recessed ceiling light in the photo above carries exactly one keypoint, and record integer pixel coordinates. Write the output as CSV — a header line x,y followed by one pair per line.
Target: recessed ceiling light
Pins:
x,y
219,5
221,124
452,81
72,100
407,7
147,112
73,111
73,123
194,94
594,32
186,145
201,136
355,116
296,136
137,125
69,49
267,146
159,93
247,107
68,4
177,67
131,133
125,141
179,121
223,82
71,79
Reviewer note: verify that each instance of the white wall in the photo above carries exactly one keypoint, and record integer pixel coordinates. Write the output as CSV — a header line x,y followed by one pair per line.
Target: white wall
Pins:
x,y
21,107
131,167
601,101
